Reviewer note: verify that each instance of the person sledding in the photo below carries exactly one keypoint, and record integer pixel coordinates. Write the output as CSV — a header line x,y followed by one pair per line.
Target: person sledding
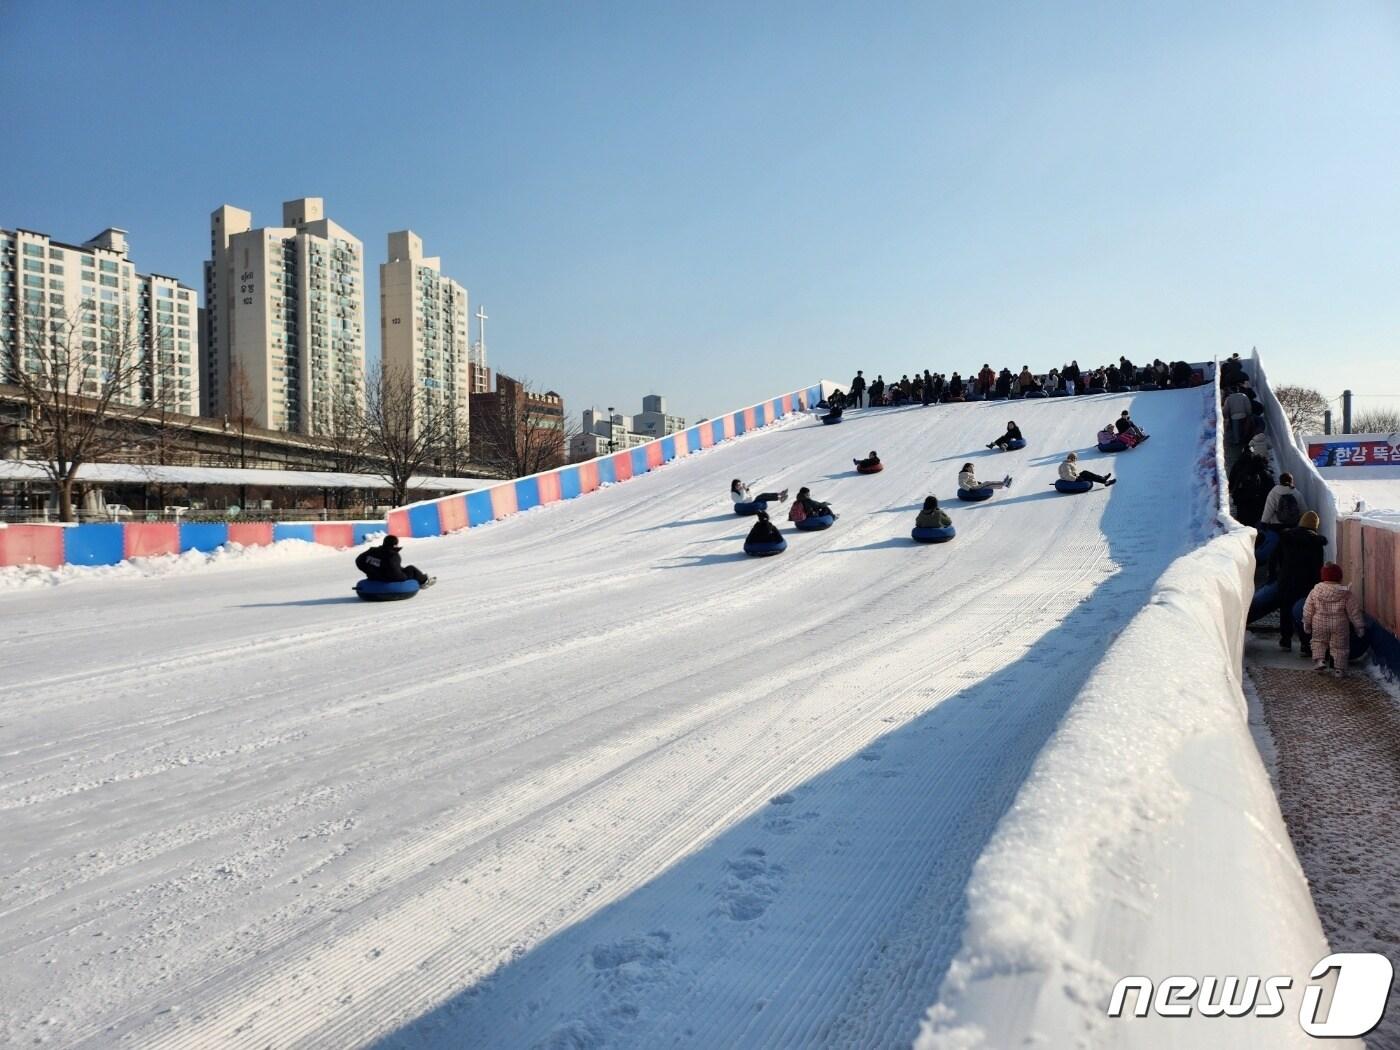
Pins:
x,y
932,516
869,463
967,480
1070,472
739,493
1013,433
804,507
763,531
384,564
1330,612
1126,427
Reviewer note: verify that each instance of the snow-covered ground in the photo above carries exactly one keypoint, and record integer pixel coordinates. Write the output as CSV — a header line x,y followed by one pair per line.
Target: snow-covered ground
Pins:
x,y
609,783
1378,487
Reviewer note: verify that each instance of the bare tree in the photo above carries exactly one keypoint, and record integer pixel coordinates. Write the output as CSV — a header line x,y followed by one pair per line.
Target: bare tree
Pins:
x,y
519,431
402,430
1303,406
1376,421
83,386
348,441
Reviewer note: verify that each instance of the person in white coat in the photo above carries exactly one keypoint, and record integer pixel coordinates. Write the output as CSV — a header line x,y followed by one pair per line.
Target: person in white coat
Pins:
x,y
967,479
1069,471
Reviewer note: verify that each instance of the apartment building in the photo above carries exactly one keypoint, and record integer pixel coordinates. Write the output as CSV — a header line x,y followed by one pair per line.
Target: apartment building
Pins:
x,y
285,319
424,330
142,328
653,420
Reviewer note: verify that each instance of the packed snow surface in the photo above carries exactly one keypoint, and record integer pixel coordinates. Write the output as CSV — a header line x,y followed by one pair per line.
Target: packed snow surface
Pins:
x,y
610,782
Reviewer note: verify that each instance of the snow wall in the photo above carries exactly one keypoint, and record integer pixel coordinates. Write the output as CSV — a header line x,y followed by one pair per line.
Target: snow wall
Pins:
x,y
464,510
1147,839
52,545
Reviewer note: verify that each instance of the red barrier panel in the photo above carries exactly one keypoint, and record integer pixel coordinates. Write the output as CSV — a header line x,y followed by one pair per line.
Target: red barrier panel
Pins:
x,y
398,524
654,455
729,426
707,435
750,419
549,488
250,533
588,476
452,514
622,465
334,534
149,538
32,545
503,502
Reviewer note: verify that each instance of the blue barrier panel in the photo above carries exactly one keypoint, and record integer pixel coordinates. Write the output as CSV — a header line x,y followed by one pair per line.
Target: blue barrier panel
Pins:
x,y
639,461
479,509
778,410
717,429
364,529
569,486
94,545
668,448
282,531
692,439
760,415
424,521
202,536
527,493
740,426
606,472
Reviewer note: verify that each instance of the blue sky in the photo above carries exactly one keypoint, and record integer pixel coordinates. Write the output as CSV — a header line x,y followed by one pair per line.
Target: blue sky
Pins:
x,y
720,201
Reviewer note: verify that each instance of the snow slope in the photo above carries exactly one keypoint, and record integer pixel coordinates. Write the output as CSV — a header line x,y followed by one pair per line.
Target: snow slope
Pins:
x,y
609,783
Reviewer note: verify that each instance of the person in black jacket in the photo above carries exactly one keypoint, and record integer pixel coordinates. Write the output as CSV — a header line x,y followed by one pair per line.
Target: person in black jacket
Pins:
x,y
1297,564
857,388
1013,433
1250,482
763,531
385,565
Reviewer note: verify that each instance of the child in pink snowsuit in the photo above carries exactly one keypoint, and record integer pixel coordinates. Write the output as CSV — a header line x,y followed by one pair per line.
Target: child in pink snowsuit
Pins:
x,y
1328,615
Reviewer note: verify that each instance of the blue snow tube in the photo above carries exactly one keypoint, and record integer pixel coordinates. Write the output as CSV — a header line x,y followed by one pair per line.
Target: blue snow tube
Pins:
x,y
816,523
1112,446
975,495
1061,485
385,591
750,509
830,419
765,550
1265,543
1059,393
933,535
1036,393
1149,386
1265,601
1096,390
1015,443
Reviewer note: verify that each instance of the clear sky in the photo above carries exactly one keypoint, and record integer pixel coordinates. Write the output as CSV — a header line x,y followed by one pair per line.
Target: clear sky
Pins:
x,y
721,202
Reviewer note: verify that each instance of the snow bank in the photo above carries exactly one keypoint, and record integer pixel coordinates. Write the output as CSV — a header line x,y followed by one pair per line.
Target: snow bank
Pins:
x,y
221,559
1147,839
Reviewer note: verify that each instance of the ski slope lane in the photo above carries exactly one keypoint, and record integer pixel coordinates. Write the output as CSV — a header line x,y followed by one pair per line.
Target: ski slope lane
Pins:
x,y
609,783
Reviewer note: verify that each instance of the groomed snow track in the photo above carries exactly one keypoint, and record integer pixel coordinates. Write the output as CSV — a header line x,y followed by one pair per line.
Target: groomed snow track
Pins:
x,y
609,783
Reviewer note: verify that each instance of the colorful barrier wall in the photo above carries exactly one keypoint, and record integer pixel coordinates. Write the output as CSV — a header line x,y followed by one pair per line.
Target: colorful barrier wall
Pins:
x,y
446,514
109,543
52,545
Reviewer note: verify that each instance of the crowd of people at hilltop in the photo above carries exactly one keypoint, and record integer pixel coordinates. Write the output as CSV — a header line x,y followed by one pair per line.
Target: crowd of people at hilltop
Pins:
x,y
988,384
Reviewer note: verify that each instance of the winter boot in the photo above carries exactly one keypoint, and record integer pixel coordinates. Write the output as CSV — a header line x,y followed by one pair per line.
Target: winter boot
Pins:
x,y
1007,481
428,583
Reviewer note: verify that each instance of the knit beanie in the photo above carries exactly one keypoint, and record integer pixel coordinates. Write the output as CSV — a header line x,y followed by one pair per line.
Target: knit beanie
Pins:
x,y
1310,520
1332,573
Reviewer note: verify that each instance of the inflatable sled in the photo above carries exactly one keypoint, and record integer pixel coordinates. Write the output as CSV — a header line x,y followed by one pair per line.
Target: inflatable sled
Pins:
x,y
749,509
1149,386
1036,393
933,535
382,591
828,420
1096,390
1265,601
1061,485
1059,393
1112,446
872,469
1015,444
816,523
765,550
975,495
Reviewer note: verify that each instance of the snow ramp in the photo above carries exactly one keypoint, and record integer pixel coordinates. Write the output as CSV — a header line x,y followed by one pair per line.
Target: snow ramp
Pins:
x,y
609,783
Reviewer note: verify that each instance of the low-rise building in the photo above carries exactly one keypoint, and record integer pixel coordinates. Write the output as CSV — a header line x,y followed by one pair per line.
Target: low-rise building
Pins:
x,y
603,432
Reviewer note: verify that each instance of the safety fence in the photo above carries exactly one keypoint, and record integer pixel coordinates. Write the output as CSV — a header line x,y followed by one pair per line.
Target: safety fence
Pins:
x,y
465,510
1369,553
101,543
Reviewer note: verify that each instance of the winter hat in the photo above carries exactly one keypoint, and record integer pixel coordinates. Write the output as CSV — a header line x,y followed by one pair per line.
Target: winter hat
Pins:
x,y
1310,520
391,540
1331,573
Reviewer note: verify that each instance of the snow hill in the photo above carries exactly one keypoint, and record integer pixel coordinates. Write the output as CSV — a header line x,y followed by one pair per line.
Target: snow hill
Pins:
x,y
609,783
